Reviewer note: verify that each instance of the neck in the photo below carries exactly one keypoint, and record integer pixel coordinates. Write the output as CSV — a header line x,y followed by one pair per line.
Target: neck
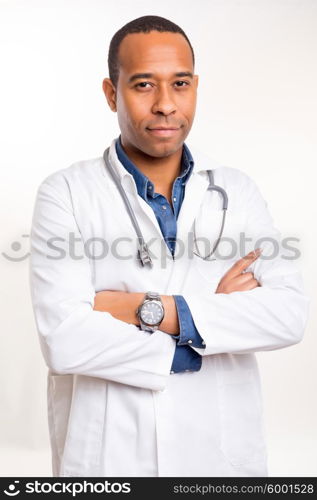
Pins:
x,y
161,171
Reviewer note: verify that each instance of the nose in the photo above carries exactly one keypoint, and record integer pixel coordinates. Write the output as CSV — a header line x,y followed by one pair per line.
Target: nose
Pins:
x,y
163,102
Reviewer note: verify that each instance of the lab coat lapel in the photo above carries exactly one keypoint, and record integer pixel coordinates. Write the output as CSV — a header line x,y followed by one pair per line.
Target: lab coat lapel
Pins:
x,y
138,203
139,206
195,191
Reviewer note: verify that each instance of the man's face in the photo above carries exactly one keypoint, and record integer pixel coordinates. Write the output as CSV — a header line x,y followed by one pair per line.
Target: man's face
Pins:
x,y
156,89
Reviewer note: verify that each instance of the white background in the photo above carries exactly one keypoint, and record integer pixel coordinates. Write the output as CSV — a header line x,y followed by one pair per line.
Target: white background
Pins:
x,y
257,112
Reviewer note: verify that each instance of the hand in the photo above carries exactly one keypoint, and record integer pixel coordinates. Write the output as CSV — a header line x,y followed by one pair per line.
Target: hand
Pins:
x,y
235,280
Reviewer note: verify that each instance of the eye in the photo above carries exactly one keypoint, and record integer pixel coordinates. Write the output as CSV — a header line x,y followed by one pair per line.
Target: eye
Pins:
x,y
142,85
183,82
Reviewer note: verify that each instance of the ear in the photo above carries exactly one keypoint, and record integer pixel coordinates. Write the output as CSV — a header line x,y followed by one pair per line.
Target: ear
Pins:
x,y
110,93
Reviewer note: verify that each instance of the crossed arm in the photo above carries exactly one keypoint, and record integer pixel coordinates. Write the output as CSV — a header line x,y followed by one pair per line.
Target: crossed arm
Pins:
x,y
123,305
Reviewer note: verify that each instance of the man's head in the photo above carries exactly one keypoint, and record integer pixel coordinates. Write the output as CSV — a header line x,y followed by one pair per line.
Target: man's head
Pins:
x,y
152,85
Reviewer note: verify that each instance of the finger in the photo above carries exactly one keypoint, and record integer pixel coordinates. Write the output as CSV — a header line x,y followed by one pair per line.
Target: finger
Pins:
x,y
244,277
249,285
243,263
239,281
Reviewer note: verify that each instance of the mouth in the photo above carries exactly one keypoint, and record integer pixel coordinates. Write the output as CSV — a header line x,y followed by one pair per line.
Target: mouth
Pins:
x,y
163,131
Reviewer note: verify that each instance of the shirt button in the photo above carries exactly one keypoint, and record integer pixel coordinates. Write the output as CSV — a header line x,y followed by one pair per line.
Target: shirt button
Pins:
x,y
190,342
150,187
171,371
164,207
174,199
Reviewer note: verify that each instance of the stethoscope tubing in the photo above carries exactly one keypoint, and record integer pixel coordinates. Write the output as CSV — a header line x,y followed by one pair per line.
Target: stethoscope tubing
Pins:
x,y
143,252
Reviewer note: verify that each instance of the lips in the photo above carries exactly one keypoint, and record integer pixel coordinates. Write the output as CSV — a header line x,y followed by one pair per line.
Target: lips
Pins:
x,y
167,131
163,132
163,128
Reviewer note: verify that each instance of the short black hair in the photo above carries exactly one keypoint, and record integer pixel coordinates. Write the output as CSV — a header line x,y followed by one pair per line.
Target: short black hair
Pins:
x,y
143,24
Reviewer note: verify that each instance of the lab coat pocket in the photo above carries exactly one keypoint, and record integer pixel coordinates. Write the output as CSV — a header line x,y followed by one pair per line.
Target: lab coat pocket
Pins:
x,y
59,393
83,446
206,274
240,407
76,409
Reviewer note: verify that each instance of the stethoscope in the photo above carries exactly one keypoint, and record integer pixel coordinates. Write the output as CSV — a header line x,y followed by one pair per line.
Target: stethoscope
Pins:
x,y
143,252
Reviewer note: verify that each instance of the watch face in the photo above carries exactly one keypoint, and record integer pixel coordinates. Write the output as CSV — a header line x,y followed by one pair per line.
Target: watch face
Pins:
x,y
151,313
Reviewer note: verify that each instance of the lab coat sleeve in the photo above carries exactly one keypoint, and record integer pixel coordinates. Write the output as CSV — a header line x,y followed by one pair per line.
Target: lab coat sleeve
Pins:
x,y
74,338
268,317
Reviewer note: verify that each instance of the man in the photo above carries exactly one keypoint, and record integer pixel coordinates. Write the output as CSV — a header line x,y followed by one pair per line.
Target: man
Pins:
x,y
152,370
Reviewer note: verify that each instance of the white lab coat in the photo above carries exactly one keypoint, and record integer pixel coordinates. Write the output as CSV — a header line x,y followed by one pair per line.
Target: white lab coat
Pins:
x,y
114,408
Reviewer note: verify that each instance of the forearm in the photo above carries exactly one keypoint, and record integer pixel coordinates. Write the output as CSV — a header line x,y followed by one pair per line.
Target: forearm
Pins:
x,y
123,306
265,318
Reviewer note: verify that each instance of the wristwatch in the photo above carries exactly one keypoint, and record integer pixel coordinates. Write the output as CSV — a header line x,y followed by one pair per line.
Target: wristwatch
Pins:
x,y
151,312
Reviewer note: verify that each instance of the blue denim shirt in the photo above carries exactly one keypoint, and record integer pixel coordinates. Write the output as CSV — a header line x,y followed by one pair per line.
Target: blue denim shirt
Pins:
x,y
185,358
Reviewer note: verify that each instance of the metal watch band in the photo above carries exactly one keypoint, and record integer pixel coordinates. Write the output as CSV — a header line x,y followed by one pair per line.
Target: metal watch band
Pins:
x,y
153,296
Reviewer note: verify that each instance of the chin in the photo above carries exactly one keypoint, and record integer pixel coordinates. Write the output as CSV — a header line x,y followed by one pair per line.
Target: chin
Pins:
x,y
164,149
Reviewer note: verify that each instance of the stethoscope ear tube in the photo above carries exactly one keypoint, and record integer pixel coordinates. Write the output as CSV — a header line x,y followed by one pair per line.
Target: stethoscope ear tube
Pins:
x,y
143,252
213,187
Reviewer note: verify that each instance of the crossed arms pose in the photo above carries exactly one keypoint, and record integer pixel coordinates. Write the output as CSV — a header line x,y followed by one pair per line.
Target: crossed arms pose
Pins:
x,y
122,305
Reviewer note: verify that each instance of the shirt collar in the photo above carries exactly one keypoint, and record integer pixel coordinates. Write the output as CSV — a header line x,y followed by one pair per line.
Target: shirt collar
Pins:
x,y
143,183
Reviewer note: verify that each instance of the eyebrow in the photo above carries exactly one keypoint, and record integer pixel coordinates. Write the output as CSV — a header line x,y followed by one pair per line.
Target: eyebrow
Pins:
x,y
137,76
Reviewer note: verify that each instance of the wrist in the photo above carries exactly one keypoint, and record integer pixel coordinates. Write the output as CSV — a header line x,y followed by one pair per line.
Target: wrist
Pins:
x,y
170,321
136,300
